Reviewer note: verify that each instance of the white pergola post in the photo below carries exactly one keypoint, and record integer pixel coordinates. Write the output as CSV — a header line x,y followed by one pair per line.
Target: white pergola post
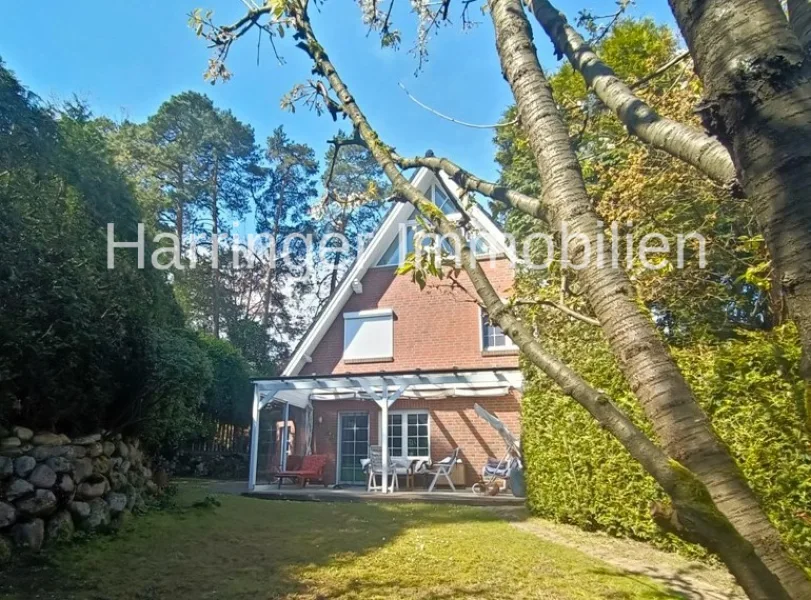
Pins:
x,y
254,439
384,442
384,401
283,457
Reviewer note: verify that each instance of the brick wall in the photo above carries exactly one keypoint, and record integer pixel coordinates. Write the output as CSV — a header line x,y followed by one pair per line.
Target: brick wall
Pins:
x,y
434,328
453,423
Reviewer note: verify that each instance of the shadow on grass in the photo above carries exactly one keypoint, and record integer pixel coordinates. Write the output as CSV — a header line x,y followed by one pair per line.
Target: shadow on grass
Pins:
x,y
681,583
249,548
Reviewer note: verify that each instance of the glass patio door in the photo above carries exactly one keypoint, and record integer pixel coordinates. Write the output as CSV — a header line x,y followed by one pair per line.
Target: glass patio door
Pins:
x,y
353,446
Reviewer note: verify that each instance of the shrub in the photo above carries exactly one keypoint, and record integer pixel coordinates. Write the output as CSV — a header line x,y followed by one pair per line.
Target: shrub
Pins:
x,y
750,388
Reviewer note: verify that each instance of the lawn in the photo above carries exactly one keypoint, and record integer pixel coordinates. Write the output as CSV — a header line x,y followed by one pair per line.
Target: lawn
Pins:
x,y
259,549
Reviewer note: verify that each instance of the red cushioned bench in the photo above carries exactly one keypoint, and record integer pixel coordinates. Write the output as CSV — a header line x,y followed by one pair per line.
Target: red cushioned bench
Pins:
x,y
311,469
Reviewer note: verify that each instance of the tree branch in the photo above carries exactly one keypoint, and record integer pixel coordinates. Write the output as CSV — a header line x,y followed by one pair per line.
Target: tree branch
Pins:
x,y
451,119
468,181
692,146
561,307
660,71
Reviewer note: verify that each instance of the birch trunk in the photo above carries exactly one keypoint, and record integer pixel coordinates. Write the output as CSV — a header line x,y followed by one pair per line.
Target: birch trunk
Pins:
x,y
677,419
694,147
757,81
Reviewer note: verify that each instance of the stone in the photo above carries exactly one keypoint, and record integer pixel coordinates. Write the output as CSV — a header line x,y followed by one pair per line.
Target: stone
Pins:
x,y
101,465
4,432
118,480
8,515
80,510
95,487
65,484
40,504
151,487
117,502
108,448
6,467
94,450
23,465
99,515
41,453
125,467
68,452
115,463
29,535
43,476
135,478
5,550
123,450
59,464
87,440
82,469
11,452
9,443
76,452
18,488
48,439
23,433
136,443
59,528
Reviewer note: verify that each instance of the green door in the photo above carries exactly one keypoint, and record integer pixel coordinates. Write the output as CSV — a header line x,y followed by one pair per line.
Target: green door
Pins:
x,y
353,443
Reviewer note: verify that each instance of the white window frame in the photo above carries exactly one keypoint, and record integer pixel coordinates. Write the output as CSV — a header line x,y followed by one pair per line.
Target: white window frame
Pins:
x,y
404,446
369,314
508,345
454,216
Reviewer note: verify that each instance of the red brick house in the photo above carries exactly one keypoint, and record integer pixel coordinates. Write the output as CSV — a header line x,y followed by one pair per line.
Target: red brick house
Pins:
x,y
382,350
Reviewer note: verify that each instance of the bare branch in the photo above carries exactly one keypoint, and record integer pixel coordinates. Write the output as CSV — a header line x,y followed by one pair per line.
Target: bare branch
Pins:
x,y
451,119
561,307
660,71
468,181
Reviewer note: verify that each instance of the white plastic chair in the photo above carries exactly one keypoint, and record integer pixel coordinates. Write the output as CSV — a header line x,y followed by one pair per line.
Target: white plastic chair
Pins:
x,y
376,468
444,468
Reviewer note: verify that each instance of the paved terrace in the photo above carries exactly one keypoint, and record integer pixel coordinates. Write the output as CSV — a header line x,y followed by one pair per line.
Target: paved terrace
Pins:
x,y
317,493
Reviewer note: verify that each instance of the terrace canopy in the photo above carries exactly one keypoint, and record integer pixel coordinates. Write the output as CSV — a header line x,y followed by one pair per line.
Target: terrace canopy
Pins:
x,y
382,388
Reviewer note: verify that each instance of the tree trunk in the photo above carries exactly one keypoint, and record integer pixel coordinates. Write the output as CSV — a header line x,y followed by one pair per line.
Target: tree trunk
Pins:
x,y
215,252
799,15
757,81
268,296
677,419
693,515
692,146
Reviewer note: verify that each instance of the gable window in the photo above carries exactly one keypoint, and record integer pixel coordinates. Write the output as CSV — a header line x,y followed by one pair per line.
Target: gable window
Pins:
x,y
493,337
369,335
408,434
442,201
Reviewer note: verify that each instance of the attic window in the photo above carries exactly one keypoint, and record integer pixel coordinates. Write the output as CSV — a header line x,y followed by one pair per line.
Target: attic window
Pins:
x,y
442,201
368,335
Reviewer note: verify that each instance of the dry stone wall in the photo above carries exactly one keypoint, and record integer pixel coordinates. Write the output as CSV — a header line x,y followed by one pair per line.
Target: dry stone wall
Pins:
x,y
52,486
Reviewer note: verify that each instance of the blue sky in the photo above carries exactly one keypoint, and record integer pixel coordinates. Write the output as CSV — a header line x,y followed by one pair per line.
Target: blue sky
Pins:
x,y
125,58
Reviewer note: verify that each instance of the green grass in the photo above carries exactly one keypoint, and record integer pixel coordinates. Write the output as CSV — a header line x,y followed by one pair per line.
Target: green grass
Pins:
x,y
259,549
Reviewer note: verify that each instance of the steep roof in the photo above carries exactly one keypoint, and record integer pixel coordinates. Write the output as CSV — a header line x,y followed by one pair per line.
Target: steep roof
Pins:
x,y
386,233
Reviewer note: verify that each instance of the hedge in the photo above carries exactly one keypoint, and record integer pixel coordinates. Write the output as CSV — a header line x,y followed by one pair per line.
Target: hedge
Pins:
x,y
750,388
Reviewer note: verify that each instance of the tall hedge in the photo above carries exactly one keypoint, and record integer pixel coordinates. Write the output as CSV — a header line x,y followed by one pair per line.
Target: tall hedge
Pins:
x,y
750,388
